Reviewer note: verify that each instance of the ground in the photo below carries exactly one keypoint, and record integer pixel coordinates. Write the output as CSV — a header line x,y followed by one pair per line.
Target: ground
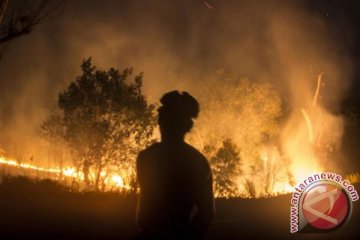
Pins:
x,y
45,210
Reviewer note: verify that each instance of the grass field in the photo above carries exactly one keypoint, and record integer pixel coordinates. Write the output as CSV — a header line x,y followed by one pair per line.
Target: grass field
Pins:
x,y
45,210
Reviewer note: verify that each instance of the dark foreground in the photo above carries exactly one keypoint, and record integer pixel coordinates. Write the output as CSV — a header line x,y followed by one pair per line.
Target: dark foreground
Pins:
x,y
45,210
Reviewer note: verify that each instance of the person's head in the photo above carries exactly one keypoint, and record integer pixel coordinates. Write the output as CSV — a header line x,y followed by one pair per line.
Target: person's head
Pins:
x,y
176,114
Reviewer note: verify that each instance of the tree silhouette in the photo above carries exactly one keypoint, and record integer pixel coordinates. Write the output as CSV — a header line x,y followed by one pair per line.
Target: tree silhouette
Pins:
x,y
104,120
18,18
225,164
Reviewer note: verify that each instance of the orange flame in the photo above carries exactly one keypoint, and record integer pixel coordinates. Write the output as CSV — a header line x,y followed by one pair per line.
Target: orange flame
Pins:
x,y
111,180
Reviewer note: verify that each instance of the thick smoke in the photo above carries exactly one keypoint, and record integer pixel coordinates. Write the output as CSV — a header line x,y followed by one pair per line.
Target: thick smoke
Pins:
x,y
178,45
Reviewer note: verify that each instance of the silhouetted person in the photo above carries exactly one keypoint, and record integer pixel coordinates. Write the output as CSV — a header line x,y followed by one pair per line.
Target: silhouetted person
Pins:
x,y
176,195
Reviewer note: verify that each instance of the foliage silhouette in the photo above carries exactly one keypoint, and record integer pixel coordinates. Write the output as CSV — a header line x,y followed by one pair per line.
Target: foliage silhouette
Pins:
x,y
225,163
104,119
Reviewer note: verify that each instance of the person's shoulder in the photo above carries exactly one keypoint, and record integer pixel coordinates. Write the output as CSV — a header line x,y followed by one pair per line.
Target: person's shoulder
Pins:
x,y
149,151
194,151
153,147
198,156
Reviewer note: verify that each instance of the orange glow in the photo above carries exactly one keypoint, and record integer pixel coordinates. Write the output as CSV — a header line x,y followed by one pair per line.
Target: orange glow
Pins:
x,y
110,179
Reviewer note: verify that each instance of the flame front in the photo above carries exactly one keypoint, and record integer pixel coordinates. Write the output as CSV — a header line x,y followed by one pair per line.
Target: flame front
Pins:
x,y
112,180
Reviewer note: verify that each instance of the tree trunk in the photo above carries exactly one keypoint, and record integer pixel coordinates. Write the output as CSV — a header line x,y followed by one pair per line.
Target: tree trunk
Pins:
x,y
98,176
3,6
86,168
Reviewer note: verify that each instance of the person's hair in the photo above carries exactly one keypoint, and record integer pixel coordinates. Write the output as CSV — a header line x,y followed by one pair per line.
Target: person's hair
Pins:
x,y
177,111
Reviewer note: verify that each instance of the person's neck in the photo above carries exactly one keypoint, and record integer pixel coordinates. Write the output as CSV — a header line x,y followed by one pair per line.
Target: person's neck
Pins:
x,y
172,139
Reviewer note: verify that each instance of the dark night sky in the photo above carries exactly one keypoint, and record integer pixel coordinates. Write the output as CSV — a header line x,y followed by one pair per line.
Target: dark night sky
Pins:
x,y
343,18
176,44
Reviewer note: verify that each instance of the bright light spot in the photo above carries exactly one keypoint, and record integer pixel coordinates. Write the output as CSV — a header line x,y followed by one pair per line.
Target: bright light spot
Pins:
x,y
69,172
118,180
